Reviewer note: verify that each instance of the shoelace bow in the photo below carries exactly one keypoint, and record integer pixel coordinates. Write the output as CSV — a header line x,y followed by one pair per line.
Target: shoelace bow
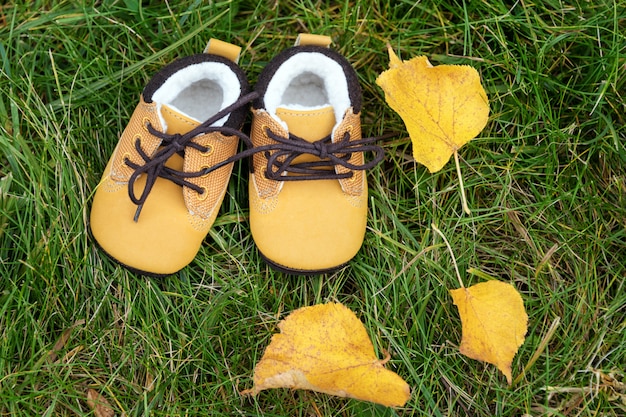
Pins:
x,y
154,166
280,162
280,156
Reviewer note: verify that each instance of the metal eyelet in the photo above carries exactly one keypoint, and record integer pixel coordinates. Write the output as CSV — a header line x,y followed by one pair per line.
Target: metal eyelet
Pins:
x,y
204,194
145,122
202,168
349,130
209,152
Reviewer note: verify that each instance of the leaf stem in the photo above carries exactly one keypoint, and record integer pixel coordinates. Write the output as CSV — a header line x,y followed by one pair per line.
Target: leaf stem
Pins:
x,y
458,173
456,267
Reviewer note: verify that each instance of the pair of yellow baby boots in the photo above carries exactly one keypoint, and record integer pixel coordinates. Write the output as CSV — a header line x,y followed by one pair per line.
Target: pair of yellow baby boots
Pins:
x,y
164,184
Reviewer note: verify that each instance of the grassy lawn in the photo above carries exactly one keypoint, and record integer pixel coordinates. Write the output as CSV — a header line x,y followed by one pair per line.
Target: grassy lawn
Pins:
x,y
545,180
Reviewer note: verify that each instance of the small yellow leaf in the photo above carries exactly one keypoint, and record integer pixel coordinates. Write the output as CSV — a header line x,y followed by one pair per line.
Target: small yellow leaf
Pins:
x,y
325,348
99,404
443,107
494,323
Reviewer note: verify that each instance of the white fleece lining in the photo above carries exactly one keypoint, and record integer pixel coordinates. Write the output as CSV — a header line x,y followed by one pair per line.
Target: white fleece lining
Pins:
x,y
199,91
295,82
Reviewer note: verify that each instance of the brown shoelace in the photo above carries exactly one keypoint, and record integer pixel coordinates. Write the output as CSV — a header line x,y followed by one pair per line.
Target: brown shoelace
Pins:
x,y
280,156
280,162
154,166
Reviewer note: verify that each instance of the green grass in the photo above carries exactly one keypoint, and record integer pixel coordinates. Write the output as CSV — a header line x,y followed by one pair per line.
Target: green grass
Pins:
x,y
545,181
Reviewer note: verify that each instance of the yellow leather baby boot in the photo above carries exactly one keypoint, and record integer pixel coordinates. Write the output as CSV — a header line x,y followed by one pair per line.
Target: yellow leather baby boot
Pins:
x,y
308,187
165,181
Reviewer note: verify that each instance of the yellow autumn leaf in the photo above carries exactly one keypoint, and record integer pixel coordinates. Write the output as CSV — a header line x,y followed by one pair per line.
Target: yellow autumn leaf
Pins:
x,y
325,348
494,323
443,107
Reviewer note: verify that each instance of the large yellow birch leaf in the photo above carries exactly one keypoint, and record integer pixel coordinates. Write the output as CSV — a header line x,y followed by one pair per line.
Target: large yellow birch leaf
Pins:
x,y
325,348
494,323
443,107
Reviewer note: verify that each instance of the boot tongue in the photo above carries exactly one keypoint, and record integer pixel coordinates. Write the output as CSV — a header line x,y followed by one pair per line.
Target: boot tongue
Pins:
x,y
177,122
310,125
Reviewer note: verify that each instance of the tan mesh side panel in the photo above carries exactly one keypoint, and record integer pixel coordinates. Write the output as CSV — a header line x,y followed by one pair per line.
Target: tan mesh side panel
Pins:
x,y
136,129
215,183
262,120
351,124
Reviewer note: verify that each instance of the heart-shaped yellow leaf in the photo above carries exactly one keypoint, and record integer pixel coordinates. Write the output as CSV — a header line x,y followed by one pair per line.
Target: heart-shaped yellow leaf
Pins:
x,y
325,348
494,323
443,107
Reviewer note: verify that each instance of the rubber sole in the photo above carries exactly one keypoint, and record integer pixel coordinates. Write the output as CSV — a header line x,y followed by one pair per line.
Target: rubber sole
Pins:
x,y
307,272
